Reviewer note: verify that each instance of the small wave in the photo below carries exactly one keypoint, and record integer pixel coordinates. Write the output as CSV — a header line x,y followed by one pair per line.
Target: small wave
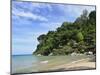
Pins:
x,y
44,62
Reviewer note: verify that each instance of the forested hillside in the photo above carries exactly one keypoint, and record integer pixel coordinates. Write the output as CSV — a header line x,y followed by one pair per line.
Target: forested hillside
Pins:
x,y
78,37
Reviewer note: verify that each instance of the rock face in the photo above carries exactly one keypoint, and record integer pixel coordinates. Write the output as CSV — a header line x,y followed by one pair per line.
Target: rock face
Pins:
x,y
39,55
74,54
90,53
50,54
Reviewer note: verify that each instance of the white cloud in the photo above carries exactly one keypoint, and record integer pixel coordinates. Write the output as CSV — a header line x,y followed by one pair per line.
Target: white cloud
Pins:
x,y
20,12
42,5
31,15
74,10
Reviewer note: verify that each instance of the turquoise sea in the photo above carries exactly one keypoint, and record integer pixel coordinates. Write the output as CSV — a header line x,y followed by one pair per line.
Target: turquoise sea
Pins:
x,y
32,63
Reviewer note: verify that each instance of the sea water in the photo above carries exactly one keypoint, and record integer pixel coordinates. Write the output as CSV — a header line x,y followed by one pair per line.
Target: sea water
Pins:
x,y
32,63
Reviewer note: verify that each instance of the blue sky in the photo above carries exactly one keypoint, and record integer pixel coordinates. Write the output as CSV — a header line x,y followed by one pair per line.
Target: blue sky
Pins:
x,y
29,20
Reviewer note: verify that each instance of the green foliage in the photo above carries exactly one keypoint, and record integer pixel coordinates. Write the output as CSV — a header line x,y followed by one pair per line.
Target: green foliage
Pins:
x,y
92,17
41,38
79,37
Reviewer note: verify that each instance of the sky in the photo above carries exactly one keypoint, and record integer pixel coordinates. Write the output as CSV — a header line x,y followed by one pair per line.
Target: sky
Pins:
x,y
29,20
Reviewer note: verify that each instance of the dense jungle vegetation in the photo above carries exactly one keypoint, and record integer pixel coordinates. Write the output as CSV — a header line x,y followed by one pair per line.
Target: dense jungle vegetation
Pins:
x,y
78,37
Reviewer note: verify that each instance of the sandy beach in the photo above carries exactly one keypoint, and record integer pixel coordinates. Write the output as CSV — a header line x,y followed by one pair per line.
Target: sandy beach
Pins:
x,y
55,64
77,65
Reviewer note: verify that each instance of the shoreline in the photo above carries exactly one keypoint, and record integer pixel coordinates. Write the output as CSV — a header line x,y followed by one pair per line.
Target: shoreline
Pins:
x,y
77,65
80,64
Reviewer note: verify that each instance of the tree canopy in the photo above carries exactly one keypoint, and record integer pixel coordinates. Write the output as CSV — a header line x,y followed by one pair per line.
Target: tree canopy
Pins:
x,y
79,36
